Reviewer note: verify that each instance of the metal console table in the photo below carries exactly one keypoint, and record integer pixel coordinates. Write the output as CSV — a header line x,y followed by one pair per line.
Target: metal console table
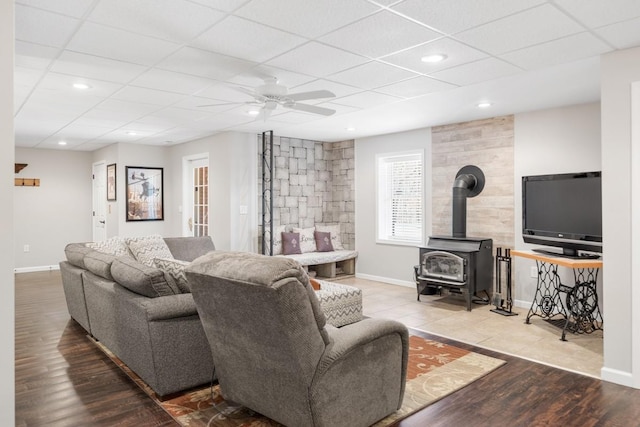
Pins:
x,y
579,310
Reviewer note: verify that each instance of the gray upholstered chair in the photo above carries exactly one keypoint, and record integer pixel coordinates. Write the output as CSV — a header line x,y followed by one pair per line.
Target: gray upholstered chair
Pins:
x,y
274,354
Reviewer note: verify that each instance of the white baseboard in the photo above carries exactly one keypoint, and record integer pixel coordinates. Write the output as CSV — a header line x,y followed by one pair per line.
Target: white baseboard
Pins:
x,y
617,377
386,280
38,268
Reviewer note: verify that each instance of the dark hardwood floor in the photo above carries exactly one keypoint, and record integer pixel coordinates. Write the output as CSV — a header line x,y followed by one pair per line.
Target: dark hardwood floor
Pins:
x,y
63,379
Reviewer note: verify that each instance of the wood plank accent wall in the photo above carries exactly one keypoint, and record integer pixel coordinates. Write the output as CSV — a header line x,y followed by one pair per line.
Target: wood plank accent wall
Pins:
x,y
487,144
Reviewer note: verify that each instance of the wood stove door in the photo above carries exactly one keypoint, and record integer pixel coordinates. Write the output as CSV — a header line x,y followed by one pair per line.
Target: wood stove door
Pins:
x,y
444,265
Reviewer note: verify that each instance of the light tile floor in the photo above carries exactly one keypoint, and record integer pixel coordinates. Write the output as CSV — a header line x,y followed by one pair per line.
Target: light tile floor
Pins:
x,y
446,316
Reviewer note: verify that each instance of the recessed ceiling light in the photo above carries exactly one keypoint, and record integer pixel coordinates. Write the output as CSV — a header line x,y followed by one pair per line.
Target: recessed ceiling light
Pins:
x,y
62,142
436,57
484,105
81,86
132,133
350,129
253,112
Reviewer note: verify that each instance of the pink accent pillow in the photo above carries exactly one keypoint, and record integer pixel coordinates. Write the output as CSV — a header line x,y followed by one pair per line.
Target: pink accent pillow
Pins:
x,y
323,241
291,243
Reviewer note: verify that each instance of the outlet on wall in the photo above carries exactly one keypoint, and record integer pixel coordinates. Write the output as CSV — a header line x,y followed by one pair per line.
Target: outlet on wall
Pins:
x,y
26,248
534,272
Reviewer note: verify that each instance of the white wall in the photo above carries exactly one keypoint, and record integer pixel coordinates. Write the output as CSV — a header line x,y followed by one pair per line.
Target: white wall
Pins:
x,y
7,313
619,71
59,211
55,213
387,263
558,140
232,183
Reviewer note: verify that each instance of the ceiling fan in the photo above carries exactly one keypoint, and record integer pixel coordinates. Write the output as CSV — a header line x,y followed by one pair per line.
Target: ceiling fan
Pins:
x,y
270,95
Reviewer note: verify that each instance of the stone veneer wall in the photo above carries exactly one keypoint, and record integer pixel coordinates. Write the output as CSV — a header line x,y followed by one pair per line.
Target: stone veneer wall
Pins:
x,y
487,144
313,183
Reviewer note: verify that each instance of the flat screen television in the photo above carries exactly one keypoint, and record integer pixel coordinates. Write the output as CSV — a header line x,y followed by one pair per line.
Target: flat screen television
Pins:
x,y
563,211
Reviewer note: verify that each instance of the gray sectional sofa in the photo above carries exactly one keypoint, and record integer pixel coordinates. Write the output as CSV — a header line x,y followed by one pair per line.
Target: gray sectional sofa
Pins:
x,y
144,315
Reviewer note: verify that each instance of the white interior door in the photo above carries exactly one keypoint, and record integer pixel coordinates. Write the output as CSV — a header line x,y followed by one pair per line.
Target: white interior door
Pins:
x,y
196,213
99,201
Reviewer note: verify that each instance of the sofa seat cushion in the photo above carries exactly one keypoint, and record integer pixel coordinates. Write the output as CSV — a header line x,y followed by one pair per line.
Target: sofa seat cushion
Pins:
x,y
316,258
141,279
175,268
148,249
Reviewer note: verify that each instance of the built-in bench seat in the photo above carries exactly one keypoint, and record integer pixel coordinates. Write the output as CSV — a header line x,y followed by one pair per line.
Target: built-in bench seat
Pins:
x,y
327,264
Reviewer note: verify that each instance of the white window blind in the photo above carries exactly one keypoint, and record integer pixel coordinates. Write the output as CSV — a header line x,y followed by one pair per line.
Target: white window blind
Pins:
x,y
400,197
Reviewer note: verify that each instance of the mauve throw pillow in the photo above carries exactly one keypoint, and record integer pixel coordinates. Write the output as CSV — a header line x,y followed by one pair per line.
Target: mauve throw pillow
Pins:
x,y
323,241
291,243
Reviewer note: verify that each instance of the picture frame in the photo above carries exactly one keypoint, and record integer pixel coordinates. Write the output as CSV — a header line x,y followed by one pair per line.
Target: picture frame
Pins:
x,y
111,182
145,193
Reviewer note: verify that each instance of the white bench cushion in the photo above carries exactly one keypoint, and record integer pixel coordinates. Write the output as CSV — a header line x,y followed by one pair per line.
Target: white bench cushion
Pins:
x,y
316,258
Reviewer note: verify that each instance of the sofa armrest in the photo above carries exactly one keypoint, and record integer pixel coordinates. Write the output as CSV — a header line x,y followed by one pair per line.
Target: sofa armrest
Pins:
x,y
170,307
343,340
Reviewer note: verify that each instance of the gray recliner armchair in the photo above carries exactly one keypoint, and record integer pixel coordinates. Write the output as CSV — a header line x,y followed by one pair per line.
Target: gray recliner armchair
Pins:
x,y
274,354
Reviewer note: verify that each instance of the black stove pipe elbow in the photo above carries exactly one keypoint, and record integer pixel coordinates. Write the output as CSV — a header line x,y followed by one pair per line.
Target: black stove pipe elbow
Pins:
x,y
469,182
462,187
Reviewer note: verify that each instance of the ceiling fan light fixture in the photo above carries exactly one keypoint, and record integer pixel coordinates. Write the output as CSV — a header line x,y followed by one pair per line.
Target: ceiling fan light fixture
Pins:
x,y
433,58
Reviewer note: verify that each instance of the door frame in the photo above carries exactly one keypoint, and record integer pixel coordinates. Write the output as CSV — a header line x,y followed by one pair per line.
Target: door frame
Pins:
x,y
187,190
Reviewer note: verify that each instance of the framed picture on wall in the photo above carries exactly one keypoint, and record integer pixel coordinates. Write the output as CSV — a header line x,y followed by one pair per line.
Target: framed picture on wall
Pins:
x,y
144,193
111,182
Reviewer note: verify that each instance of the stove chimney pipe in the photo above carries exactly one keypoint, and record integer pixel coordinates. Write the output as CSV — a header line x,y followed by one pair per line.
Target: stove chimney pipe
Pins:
x,y
469,182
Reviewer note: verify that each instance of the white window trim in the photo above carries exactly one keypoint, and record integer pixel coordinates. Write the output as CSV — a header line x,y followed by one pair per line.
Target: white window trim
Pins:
x,y
400,242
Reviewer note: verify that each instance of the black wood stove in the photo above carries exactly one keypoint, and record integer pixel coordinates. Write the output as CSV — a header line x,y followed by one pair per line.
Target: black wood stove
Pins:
x,y
459,263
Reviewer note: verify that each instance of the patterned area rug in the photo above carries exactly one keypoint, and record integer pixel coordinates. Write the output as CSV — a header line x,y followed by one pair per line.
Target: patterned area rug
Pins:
x,y
435,370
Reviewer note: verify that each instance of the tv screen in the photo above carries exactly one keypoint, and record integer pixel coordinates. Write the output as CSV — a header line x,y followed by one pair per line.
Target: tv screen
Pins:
x,y
564,211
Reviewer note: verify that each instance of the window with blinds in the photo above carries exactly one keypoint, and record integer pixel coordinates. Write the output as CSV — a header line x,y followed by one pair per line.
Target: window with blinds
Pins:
x,y
400,197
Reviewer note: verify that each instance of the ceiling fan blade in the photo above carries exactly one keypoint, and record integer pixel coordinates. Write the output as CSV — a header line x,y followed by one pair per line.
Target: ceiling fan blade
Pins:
x,y
311,109
314,94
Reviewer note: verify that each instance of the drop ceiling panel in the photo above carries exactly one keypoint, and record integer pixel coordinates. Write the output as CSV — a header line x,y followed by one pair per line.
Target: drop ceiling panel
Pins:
x,y
415,87
371,75
596,13
202,63
454,16
570,48
62,84
121,111
93,67
475,72
208,105
623,35
534,26
311,59
224,92
308,18
173,116
247,40
148,96
321,84
74,8
173,20
78,130
225,5
171,81
366,99
30,55
42,27
457,54
380,34
120,45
